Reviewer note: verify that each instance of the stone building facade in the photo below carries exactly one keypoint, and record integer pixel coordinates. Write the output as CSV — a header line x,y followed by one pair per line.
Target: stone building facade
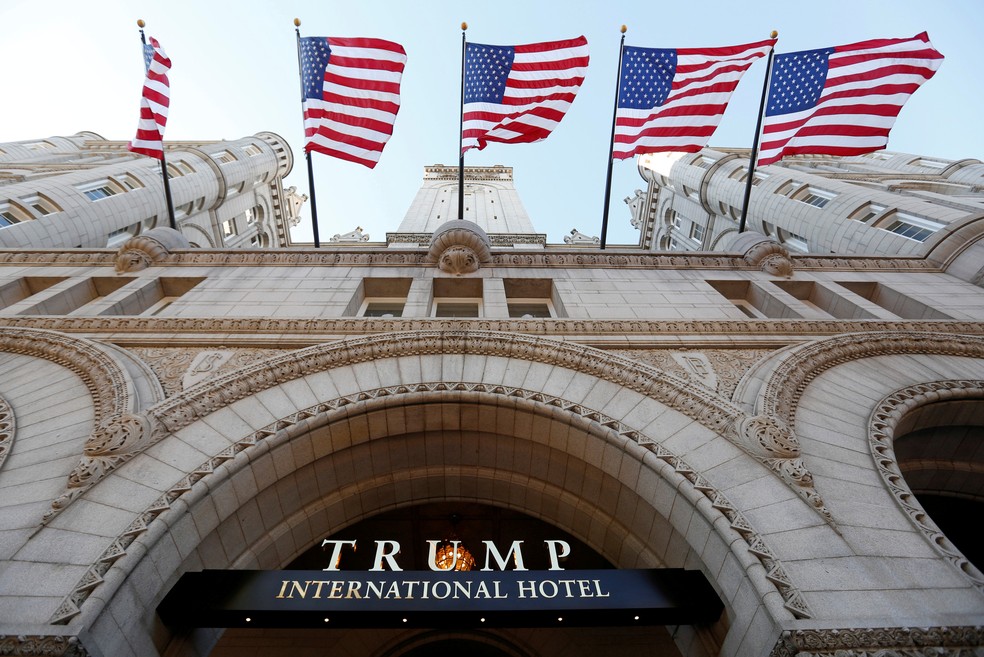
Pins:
x,y
779,422
879,203
86,192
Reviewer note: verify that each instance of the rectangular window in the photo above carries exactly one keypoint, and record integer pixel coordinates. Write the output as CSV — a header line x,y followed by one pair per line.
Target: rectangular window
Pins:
x,y
457,308
900,305
909,226
7,218
224,157
528,310
696,233
99,190
815,197
252,150
41,204
753,299
384,308
229,228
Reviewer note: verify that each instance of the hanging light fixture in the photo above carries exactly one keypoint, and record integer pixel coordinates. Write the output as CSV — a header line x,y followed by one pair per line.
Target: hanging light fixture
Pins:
x,y
450,554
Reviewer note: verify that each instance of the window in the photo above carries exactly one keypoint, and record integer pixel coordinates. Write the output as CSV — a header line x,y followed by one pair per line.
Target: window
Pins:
x,y
457,308
691,193
250,216
929,164
229,228
529,309
252,150
815,197
793,241
173,171
8,217
703,162
696,233
867,212
131,182
742,176
99,190
41,204
384,308
224,157
910,226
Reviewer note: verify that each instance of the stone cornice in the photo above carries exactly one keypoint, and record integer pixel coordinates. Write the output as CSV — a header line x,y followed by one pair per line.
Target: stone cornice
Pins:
x,y
561,257
222,329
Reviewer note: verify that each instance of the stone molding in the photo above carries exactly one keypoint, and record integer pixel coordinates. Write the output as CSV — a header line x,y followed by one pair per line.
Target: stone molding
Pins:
x,y
964,641
322,413
459,247
36,645
403,258
881,434
150,248
106,380
8,427
787,382
317,329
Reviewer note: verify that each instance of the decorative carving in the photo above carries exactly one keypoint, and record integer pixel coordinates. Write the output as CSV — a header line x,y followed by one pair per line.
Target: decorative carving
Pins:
x,y
352,236
881,432
964,641
7,429
727,366
459,247
311,331
458,260
579,238
152,247
465,392
763,252
34,645
180,368
768,437
697,367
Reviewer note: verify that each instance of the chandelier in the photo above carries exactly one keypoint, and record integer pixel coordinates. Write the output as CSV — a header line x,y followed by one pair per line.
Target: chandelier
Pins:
x,y
450,554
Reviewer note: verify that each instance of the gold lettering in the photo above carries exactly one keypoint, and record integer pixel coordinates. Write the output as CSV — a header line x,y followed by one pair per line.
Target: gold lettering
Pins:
x,y
353,590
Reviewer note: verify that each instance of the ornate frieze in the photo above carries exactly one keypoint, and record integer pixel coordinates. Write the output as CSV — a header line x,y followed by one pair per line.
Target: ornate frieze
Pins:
x,y
719,370
776,574
36,645
780,329
963,641
404,258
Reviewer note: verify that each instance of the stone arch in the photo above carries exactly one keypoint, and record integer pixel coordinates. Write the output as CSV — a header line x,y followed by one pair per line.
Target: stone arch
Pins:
x,y
187,514
884,426
776,386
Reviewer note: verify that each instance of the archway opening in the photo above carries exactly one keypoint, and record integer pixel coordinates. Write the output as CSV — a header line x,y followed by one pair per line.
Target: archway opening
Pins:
x,y
940,452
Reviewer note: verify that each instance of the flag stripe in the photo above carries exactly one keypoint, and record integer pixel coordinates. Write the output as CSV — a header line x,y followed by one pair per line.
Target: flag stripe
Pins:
x,y
540,84
862,88
673,99
155,100
352,95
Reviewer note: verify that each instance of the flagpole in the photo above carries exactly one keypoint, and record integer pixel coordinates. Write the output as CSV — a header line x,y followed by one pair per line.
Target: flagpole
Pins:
x,y
461,131
755,141
164,176
611,143
307,151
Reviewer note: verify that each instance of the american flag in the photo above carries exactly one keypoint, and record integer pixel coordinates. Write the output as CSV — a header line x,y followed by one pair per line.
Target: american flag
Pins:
x,y
351,95
842,100
672,99
518,94
154,102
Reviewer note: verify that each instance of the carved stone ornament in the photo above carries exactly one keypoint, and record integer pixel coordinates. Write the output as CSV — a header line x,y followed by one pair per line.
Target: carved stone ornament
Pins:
x,y
142,251
353,236
956,641
7,428
458,260
578,238
459,247
763,252
41,644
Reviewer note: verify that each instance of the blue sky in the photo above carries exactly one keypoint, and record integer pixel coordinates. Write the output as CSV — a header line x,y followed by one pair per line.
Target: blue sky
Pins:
x,y
71,66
